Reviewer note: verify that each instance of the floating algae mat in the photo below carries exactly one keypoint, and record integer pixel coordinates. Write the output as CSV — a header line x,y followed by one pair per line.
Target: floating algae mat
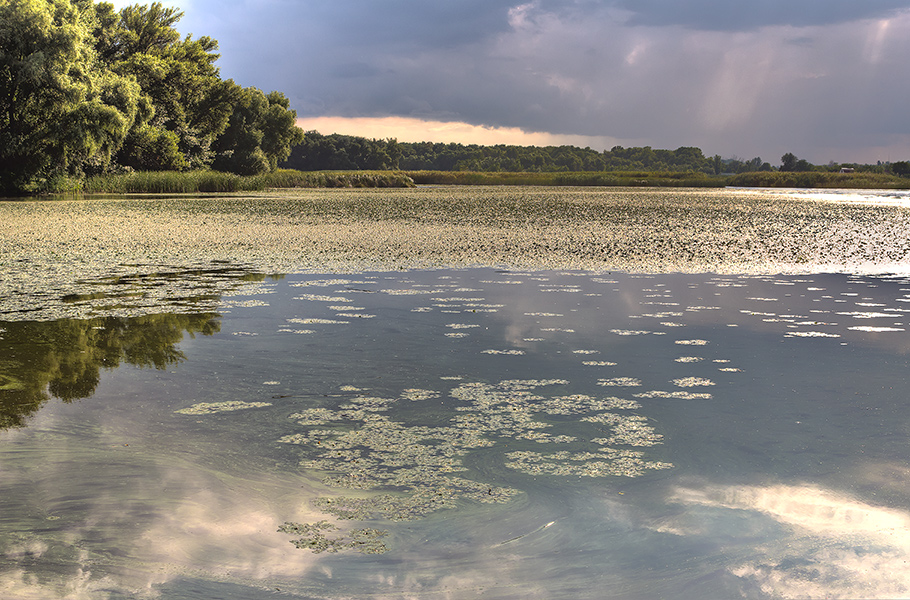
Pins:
x,y
460,434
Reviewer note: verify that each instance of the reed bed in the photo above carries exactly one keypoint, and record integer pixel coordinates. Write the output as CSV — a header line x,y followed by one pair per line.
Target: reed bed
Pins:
x,y
819,179
172,182
571,178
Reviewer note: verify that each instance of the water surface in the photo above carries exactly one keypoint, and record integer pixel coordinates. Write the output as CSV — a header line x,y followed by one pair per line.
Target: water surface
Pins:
x,y
462,433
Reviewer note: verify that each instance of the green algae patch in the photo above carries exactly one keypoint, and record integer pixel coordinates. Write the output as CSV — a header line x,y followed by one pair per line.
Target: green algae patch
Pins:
x,y
312,537
208,408
405,471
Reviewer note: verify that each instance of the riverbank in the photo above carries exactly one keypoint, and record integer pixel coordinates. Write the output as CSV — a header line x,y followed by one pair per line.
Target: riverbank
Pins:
x,y
207,181
170,182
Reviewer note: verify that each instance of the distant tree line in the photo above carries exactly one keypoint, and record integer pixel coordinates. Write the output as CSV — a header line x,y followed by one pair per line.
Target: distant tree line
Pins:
x,y
86,89
790,163
344,152
318,152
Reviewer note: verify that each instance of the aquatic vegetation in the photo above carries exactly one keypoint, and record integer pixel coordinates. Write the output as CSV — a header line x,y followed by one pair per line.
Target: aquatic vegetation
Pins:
x,y
315,321
620,382
810,334
420,469
365,541
692,382
208,408
678,395
322,298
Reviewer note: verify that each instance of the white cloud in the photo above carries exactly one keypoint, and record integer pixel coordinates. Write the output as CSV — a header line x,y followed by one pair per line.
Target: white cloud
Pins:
x,y
829,544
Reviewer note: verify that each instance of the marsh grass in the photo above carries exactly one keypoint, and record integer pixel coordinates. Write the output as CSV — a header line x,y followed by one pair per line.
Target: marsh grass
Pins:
x,y
577,178
819,179
172,182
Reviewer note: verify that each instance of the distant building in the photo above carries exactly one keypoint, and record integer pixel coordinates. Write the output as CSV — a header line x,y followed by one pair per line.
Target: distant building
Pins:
x,y
847,170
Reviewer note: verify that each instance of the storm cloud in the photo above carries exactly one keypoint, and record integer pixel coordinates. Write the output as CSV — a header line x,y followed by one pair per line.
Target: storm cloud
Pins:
x,y
825,79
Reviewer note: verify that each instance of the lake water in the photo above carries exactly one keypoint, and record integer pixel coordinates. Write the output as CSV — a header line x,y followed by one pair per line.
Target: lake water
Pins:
x,y
459,433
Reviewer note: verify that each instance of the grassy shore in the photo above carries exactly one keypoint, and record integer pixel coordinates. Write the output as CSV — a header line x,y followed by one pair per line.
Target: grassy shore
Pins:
x,y
818,179
169,182
578,178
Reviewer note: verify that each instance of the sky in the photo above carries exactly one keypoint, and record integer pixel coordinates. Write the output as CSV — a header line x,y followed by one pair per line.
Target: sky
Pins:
x,y
828,80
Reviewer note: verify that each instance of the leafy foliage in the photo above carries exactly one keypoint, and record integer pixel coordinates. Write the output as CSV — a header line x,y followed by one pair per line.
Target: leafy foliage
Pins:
x,y
59,110
86,89
260,133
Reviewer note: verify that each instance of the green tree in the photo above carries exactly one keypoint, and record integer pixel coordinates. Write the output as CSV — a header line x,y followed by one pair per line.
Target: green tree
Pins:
x,y
261,132
900,168
789,162
184,99
59,110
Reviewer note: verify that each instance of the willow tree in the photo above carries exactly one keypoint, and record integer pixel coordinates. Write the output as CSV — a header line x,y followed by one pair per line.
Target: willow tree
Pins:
x,y
59,110
260,133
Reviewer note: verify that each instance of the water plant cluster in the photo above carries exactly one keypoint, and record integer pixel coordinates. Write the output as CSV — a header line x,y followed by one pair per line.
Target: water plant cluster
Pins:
x,y
419,469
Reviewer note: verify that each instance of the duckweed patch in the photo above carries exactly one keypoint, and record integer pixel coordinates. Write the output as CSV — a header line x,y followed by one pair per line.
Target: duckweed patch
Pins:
x,y
413,470
208,408
312,537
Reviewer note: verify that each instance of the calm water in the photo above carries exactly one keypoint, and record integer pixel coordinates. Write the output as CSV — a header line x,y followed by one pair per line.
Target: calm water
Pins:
x,y
463,434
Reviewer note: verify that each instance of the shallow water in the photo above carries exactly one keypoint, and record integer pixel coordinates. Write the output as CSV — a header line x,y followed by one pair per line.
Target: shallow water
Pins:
x,y
462,433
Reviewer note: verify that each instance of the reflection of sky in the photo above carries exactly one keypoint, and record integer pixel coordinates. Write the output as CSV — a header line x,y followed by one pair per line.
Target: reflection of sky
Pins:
x,y
831,546
131,517
788,477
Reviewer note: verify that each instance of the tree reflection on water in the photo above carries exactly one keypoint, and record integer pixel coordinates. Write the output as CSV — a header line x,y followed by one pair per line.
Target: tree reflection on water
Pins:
x,y
64,358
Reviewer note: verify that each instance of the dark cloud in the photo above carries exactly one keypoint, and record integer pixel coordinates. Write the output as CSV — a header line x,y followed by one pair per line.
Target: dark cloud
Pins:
x,y
708,73
728,15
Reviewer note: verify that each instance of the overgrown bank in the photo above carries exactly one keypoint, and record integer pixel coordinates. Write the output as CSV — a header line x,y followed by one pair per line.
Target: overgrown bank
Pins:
x,y
584,178
208,181
818,179
171,182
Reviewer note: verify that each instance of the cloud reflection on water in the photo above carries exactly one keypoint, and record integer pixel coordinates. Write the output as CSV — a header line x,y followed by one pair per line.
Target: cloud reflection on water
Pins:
x,y
830,545
162,520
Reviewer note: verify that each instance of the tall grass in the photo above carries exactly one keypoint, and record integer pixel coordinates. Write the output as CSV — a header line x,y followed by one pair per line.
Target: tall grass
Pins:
x,y
172,182
820,179
579,178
